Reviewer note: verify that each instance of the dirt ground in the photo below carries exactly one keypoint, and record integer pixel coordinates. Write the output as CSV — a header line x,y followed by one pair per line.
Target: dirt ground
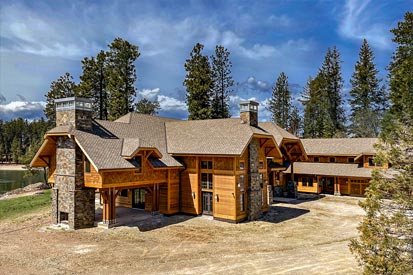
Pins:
x,y
303,237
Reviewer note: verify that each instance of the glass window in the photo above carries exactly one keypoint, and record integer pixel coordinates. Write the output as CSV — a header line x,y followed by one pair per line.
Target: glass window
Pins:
x,y
87,165
304,182
310,182
332,159
371,162
261,165
206,181
137,162
241,182
241,165
124,193
241,202
206,164
316,159
350,160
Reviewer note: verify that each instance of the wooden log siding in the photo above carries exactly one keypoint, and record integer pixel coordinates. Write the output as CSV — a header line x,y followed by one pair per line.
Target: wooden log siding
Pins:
x,y
307,189
52,169
93,179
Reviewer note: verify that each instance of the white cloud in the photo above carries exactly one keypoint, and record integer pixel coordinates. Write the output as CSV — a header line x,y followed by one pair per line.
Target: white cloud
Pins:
x,y
28,110
150,94
171,104
357,24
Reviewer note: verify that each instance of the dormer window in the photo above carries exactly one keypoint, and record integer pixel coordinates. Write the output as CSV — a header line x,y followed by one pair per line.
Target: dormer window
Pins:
x,y
350,160
316,159
371,162
332,159
137,162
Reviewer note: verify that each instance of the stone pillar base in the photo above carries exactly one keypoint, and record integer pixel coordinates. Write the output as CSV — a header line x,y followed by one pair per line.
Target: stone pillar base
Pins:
x,y
107,225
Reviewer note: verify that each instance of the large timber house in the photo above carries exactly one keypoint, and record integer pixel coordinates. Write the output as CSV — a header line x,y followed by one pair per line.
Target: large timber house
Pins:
x,y
226,168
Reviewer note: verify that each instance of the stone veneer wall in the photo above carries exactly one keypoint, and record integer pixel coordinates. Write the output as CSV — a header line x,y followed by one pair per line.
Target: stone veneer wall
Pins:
x,y
249,117
254,205
79,119
69,194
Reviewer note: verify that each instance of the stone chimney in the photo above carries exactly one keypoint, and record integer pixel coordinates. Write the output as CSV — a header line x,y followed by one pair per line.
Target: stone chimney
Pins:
x,y
249,112
75,111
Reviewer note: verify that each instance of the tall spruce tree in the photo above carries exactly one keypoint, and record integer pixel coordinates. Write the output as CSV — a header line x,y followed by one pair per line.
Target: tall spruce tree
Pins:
x,y
331,85
121,77
367,97
222,82
385,245
93,83
294,125
316,115
62,87
198,83
280,102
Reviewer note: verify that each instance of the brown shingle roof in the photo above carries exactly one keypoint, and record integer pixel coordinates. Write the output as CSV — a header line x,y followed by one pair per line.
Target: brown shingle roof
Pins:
x,y
210,137
278,132
339,146
104,153
150,130
330,169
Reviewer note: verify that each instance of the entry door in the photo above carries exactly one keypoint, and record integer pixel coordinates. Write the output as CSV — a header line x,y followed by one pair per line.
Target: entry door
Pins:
x,y
138,198
328,185
207,203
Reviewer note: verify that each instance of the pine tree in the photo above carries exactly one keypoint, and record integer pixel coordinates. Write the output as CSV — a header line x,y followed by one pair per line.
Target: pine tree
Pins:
x,y
198,84
316,116
222,82
145,106
16,150
121,77
61,88
367,96
280,102
93,83
331,85
385,245
294,125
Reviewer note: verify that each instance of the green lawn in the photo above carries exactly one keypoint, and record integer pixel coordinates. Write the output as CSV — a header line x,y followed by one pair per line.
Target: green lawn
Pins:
x,y
10,208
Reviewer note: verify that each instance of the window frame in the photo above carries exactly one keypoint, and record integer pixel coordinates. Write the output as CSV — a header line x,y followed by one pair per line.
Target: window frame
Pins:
x,y
86,166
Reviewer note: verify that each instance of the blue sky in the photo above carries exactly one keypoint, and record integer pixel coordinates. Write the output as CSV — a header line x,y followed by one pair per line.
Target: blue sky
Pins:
x,y
41,40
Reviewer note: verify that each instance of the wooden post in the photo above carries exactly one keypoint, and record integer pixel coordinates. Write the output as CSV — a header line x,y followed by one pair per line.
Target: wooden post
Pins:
x,y
109,206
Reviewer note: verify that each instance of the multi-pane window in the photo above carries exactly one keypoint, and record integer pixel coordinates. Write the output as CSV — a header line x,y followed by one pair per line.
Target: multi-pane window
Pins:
x,y
332,159
261,165
316,159
350,160
206,180
241,202
206,164
371,162
241,165
307,182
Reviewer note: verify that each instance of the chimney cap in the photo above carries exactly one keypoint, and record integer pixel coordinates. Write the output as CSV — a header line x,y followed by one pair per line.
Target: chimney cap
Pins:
x,y
249,106
71,103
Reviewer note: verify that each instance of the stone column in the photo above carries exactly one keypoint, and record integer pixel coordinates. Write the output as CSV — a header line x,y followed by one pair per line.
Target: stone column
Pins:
x,y
70,197
254,205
